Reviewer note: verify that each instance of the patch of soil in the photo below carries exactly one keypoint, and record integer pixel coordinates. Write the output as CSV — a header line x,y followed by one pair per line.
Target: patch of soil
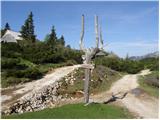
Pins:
x,y
79,94
137,91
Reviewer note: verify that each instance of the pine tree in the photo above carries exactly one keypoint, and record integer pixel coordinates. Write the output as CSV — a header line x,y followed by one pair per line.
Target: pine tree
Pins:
x,y
46,38
27,30
52,37
3,31
24,30
68,46
127,57
7,27
31,27
61,40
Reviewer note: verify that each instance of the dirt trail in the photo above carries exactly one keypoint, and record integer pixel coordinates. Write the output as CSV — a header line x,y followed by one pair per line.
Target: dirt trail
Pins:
x,y
144,106
11,94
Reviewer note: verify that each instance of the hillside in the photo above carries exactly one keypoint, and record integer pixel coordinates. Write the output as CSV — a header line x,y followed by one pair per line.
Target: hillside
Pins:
x,y
149,55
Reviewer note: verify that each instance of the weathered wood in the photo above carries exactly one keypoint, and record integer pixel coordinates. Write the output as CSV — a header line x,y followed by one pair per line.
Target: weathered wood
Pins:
x,y
82,35
101,39
96,31
90,54
86,85
88,66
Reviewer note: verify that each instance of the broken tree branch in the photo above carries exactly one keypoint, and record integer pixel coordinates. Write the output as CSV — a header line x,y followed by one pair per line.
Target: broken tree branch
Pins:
x,y
101,39
96,31
82,35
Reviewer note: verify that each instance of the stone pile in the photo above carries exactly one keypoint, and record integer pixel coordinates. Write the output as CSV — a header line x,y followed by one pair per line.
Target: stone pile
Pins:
x,y
48,96
38,100
70,78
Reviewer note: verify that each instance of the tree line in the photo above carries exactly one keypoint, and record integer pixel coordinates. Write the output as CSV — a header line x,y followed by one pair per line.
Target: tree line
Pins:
x,y
127,65
28,57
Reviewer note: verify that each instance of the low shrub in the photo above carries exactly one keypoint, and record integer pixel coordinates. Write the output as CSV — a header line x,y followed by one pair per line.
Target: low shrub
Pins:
x,y
70,62
32,73
118,64
152,79
150,83
10,81
9,62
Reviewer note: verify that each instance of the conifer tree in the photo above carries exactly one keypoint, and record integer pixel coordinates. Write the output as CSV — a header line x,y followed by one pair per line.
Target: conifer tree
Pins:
x,y
127,57
27,30
7,27
61,40
46,38
3,31
52,37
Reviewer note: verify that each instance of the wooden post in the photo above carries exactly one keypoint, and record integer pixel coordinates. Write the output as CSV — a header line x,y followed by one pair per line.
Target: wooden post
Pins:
x,y
89,55
86,84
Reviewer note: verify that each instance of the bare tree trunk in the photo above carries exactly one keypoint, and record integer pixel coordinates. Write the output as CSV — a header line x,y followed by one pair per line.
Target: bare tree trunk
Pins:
x,y
86,85
90,53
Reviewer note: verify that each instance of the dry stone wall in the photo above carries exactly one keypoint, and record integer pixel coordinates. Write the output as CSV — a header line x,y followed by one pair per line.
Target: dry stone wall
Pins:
x,y
38,100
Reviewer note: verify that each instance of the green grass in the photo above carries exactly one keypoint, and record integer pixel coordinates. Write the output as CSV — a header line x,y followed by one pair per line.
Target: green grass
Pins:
x,y
151,90
72,111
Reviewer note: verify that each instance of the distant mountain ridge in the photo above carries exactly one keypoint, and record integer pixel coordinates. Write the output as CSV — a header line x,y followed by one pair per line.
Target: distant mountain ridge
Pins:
x,y
150,55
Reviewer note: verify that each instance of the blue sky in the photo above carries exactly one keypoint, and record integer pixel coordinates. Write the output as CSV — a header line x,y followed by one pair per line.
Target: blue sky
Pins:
x,y
127,27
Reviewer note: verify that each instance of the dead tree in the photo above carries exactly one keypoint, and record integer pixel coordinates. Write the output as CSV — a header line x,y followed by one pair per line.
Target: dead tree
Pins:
x,y
90,53
101,39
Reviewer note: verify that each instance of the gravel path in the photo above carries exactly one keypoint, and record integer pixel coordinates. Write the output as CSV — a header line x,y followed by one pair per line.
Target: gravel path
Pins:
x,y
143,106
47,80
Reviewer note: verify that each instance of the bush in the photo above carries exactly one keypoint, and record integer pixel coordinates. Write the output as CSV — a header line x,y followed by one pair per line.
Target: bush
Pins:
x,y
11,50
12,81
151,63
32,73
9,62
9,81
70,62
152,79
118,64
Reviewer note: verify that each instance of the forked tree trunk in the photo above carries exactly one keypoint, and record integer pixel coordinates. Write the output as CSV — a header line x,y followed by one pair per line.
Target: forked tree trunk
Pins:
x,y
89,55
